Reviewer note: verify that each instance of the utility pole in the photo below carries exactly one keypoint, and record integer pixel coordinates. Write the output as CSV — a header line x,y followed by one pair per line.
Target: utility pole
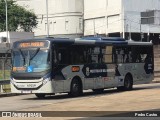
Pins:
x,y
148,34
106,18
123,19
140,30
94,27
130,34
8,41
6,6
47,18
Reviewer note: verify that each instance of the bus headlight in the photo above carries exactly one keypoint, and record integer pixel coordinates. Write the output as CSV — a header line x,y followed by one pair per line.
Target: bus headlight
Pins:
x,y
45,81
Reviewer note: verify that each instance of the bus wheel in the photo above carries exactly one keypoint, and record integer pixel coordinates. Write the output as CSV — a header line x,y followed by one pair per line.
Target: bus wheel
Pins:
x,y
40,95
98,90
128,83
76,88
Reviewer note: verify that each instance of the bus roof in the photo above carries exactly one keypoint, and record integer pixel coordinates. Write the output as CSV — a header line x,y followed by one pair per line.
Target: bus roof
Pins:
x,y
131,42
101,40
89,41
109,40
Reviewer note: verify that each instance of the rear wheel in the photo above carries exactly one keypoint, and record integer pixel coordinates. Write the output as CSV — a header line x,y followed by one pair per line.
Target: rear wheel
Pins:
x,y
40,95
128,83
76,88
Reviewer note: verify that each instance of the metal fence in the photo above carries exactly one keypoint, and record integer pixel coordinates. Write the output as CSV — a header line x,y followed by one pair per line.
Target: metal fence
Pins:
x,y
5,86
4,74
4,68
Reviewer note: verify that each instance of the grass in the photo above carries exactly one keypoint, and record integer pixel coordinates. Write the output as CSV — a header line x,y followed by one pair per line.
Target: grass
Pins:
x,y
7,75
6,88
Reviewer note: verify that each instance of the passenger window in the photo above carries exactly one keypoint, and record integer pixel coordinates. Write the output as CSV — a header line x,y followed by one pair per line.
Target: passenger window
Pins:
x,y
132,54
108,54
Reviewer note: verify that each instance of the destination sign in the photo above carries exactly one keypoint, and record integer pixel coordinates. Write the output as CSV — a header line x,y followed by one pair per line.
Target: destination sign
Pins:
x,y
33,44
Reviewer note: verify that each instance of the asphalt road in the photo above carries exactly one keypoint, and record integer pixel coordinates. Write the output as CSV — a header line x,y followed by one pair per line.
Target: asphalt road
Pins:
x,y
142,98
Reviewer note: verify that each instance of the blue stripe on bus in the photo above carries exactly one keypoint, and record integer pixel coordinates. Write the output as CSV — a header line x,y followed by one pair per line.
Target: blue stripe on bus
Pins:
x,y
63,41
110,43
103,38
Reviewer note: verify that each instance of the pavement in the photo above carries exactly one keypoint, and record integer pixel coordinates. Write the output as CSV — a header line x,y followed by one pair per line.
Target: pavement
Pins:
x,y
157,80
143,98
8,94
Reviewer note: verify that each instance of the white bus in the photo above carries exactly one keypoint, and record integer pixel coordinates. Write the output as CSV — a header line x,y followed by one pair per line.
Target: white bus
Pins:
x,y
60,65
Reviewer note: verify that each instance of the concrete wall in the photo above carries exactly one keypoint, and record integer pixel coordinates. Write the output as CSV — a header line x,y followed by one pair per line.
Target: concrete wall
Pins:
x,y
132,9
15,36
65,17
100,16
111,16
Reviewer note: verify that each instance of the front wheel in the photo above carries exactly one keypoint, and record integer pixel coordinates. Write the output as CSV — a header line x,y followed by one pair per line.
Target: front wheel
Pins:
x,y
128,84
76,88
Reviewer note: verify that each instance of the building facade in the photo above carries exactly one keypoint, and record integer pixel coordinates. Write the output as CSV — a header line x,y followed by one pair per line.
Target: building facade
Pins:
x,y
65,17
74,18
122,18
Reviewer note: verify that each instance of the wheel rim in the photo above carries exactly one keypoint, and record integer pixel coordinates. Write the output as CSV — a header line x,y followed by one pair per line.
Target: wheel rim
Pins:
x,y
75,88
127,82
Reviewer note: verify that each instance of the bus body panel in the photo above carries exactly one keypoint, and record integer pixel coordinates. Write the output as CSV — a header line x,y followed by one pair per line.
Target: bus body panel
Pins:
x,y
46,88
137,70
103,71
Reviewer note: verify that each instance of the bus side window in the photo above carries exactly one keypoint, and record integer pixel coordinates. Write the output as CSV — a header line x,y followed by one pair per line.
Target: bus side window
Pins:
x,y
59,57
63,56
107,54
78,54
94,54
141,54
120,55
148,58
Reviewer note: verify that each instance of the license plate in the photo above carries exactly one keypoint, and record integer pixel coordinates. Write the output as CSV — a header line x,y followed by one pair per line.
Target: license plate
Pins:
x,y
29,85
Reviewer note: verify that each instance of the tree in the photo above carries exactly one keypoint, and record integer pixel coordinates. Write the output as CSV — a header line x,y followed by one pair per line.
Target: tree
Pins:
x,y
18,17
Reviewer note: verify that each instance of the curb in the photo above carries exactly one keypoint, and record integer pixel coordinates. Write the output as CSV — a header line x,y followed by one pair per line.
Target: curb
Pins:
x,y
155,82
8,94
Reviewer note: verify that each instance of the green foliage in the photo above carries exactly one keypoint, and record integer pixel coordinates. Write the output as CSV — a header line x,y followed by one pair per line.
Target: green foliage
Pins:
x,y
18,17
7,74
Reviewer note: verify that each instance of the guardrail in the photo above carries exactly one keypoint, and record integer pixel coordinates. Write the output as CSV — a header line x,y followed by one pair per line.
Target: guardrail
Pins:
x,y
2,83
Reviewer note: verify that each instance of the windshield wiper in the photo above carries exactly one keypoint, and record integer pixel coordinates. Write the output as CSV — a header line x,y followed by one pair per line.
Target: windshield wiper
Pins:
x,y
24,61
36,52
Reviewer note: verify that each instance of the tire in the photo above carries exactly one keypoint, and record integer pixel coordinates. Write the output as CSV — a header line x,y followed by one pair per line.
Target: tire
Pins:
x,y
98,90
76,88
128,84
40,95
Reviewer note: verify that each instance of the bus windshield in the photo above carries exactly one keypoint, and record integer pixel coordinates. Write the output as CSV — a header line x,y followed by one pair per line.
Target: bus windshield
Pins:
x,y
30,60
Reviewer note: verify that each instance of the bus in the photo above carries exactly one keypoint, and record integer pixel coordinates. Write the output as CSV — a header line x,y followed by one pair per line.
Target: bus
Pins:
x,y
47,66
